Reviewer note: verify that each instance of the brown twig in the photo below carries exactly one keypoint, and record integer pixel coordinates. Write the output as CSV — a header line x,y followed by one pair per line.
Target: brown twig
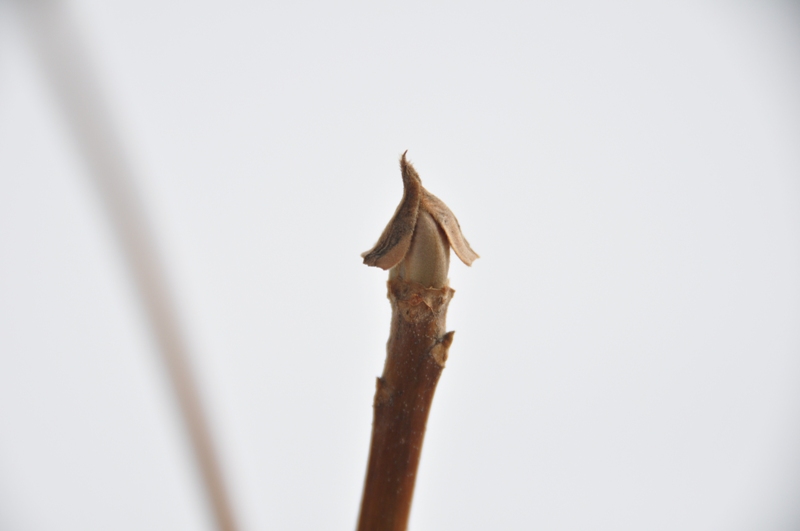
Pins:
x,y
416,355
415,246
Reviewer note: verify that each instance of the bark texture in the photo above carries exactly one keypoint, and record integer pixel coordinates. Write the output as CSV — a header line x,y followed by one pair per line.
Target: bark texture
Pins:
x,y
416,354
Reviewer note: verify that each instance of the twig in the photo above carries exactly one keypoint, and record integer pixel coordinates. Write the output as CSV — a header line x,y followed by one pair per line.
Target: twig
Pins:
x,y
415,246
79,97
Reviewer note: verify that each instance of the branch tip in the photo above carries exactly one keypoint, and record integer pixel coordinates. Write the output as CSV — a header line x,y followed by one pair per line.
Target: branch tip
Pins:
x,y
395,243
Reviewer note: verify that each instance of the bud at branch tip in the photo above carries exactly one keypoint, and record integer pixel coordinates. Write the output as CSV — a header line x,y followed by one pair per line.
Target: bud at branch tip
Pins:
x,y
416,243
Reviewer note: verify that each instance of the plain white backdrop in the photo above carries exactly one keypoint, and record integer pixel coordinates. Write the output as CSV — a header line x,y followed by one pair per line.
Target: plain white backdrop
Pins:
x,y
627,349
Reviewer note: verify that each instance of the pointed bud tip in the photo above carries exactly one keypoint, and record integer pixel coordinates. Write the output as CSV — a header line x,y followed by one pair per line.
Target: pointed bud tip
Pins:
x,y
409,174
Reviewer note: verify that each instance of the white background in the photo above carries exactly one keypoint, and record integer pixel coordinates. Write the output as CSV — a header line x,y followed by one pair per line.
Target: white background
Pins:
x,y
627,348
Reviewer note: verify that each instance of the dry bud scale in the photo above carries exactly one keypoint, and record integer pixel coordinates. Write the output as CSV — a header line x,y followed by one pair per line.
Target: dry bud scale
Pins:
x,y
416,243
415,247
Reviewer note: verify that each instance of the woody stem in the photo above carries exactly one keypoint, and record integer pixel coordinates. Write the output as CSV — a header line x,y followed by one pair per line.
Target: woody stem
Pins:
x,y
416,354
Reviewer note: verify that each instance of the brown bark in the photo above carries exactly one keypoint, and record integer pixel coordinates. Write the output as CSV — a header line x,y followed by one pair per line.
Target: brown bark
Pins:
x,y
416,354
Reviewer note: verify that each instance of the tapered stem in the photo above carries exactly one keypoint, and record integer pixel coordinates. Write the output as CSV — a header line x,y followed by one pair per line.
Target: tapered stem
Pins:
x,y
416,354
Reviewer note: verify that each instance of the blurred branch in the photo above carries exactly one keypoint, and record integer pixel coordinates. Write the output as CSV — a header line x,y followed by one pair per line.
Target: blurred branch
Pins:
x,y
77,92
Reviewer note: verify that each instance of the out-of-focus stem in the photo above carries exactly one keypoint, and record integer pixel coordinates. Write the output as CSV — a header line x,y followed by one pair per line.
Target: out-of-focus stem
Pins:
x,y
79,97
